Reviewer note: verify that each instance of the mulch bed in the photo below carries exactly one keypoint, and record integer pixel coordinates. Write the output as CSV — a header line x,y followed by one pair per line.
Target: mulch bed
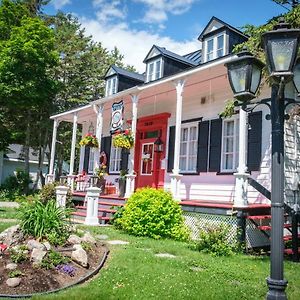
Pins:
x,y
39,280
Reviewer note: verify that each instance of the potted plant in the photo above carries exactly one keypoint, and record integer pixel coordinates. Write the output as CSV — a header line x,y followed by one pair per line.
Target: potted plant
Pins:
x,y
89,140
122,183
123,139
101,172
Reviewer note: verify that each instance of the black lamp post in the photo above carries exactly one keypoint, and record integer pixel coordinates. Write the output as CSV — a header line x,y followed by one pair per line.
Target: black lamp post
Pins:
x,y
296,79
281,46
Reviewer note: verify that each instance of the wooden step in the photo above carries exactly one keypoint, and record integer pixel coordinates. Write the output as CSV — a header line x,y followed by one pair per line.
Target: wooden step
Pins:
x,y
107,210
289,237
266,227
262,217
110,204
290,251
83,214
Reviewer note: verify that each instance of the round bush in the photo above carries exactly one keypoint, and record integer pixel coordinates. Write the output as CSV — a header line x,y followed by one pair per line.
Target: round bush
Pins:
x,y
153,213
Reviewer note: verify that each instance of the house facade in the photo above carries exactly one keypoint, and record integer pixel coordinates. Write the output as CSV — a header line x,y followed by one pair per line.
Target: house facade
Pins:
x,y
178,100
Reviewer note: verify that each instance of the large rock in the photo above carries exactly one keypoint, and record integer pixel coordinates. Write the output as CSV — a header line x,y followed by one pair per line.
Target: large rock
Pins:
x,y
47,246
11,266
80,256
33,244
74,239
37,255
11,236
13,282
88,238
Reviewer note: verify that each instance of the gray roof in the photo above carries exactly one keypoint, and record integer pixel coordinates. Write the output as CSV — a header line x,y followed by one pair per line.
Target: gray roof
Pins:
x,y
16,151
173,55
134,75
194,56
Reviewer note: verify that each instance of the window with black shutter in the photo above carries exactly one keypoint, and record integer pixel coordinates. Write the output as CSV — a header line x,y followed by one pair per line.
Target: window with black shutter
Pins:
x,y
215,142
202,153
171,148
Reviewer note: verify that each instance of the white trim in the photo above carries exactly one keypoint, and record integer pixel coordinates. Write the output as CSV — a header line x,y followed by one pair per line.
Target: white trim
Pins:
x,y
214,52
111,89
20,160
145,144
154,63
116,162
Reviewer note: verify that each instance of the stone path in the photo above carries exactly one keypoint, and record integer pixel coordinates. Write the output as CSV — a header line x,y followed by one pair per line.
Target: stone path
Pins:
x,y
117,242
168,255
9,204
8,220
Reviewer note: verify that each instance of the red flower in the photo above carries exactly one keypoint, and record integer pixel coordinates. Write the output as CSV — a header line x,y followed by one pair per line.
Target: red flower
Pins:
x,y
126,131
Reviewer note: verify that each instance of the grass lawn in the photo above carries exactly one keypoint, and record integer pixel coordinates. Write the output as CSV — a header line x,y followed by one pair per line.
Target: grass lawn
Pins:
x,y
8,213
134,272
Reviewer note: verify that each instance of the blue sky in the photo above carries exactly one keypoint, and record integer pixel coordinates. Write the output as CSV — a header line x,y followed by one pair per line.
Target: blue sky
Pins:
x,y
135,25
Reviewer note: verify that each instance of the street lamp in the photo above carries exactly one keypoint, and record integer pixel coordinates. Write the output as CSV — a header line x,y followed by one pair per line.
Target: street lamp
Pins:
x,y
281,46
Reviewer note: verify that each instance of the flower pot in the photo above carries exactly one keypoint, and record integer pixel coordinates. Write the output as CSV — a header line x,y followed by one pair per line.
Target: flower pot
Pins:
x,y
122,187
101,184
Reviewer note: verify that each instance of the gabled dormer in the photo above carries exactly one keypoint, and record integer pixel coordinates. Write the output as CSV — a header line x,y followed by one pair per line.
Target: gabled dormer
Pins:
x,y
161,62
118,79
218,39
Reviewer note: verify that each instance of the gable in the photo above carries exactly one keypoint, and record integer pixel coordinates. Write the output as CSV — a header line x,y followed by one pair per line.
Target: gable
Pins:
x,y
154,51
214,25
110,72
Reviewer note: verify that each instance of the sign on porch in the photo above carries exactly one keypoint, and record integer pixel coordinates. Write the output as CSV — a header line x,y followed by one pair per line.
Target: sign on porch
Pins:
x,y
117,110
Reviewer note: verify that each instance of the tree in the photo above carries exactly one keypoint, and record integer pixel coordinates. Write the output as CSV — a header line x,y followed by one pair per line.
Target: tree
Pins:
x,y
288,4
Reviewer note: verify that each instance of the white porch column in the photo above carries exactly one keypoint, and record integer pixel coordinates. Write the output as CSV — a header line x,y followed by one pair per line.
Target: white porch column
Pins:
x,y
73,144
92,195
241,177
130,178
50,176
61,196
175,176
99,127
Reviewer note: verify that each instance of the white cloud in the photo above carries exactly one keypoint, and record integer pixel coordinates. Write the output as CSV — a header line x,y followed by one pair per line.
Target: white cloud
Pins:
x,y
134,44
157,10
108,11
58,4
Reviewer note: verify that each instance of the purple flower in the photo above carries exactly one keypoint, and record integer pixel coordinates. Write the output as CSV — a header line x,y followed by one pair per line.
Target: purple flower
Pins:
x,y
67,269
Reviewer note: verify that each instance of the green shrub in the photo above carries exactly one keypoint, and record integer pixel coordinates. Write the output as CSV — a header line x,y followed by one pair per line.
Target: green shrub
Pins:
x,y
153,213
18,255
214,240
41,219
52,259
15,273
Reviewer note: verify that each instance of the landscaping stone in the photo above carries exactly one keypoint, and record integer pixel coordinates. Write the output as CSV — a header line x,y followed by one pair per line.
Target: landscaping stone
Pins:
x,y
196,269
80,256
13,282
167,255
33,244
88,238
11,266
37,255
11,235
117,242
74,239
47,246
102,237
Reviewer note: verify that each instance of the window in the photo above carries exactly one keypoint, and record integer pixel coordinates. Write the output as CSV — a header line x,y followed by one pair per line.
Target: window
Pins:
x,y
111,86
154,70
91,161
115,160
230,144
215,47
188,148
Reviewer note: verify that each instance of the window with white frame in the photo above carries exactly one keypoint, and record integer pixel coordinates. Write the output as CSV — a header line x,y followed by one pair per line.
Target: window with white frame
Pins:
x,y
188,148
115,160
215,47
154,70
230,145
111,86
91,161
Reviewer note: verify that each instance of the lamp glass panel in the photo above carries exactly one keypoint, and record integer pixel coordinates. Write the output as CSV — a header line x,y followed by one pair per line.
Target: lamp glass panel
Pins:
x,y
297,77
282,51
238,73
255,80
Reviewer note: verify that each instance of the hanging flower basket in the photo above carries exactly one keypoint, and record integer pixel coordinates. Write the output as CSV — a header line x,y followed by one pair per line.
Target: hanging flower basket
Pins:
x,y
89,140
123,139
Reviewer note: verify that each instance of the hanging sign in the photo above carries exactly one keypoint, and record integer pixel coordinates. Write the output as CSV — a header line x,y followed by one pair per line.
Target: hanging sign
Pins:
x,y
117,110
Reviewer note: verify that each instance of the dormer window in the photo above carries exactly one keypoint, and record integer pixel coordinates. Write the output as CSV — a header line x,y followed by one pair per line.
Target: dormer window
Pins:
x,y
154,69
111,86
215,47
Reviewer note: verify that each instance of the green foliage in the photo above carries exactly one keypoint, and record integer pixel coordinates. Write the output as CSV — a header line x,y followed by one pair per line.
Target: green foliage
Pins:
x,y
214,240
86,246
57,238
52,259
18,254
42,219
15,273
154,213
228,110
48,192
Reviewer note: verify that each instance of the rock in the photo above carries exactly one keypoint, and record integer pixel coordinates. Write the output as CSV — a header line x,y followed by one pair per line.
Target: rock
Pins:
x,y
13,282
37,255
80,256
33,244
47,246
102,237
117,242
11,266
168,255
77,246
88,238
11,236
74,239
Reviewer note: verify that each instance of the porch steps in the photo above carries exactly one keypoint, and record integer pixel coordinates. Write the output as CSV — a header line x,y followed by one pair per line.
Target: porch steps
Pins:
x,y
107,207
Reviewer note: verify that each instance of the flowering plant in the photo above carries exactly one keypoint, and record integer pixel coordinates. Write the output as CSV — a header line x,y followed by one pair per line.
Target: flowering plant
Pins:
x,y
123,139
89,140
101,171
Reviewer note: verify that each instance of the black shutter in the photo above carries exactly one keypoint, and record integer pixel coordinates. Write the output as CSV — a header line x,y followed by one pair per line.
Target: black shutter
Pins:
x,y
171,148
215,145
86,159
105,146
254,141
124,159
202,154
